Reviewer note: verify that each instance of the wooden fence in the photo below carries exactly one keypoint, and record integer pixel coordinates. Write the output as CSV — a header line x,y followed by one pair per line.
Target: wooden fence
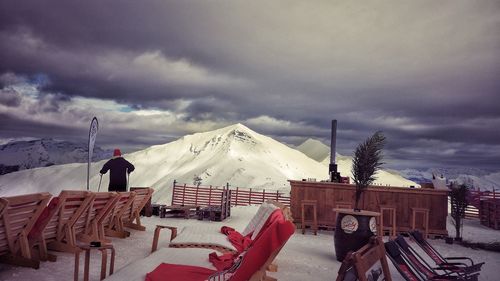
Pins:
x,y
212,195
475,196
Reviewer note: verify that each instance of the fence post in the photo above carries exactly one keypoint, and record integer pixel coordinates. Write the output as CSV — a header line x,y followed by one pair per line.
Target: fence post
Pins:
x,y
210,196
250,197
263,196
196,195
173,193
236,200
183,194
277,196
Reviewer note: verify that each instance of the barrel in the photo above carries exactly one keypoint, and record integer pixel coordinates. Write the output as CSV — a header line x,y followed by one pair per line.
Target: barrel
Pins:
x,y
353,230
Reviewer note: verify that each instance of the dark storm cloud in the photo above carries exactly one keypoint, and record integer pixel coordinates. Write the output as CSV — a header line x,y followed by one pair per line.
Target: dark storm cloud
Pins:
x,y
426,73
9,97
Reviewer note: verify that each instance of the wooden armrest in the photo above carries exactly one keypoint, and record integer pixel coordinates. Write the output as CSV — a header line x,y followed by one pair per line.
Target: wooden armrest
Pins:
x,y
173,234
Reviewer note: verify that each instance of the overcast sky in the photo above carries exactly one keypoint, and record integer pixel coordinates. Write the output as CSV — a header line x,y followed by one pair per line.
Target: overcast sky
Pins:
x,y
426,73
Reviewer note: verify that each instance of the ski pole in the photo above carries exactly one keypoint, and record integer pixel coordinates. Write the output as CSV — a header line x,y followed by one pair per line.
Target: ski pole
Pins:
x,y
99,184
128,175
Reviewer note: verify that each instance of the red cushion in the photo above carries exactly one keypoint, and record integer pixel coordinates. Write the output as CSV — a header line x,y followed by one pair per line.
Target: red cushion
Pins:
x,y
168,271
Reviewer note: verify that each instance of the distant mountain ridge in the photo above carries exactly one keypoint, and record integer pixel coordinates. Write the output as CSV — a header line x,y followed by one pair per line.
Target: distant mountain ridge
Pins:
x,y
478,178
21,155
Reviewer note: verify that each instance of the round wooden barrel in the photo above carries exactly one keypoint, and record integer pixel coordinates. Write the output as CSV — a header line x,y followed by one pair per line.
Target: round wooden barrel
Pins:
x,y
353,230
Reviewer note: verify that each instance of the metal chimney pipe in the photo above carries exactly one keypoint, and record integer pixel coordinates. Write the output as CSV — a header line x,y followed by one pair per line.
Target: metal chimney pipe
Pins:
x,y
332,168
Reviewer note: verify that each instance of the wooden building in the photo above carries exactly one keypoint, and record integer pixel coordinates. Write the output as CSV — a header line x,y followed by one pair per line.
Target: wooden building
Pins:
x,y
330,195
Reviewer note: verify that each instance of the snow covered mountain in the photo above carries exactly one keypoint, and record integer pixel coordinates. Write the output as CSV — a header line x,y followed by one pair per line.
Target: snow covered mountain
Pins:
x,y
21,155
478,178
314,149
321,153
234,155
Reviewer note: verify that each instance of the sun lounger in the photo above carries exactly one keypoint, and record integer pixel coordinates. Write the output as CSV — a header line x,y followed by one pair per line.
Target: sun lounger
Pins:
x,y
192,237
410,270
448,271
61,222
99,216
180,263
115,228
131,217
18,218
467,263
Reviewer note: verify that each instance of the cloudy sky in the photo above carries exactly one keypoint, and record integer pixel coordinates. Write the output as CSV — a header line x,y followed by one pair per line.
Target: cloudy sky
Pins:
x,y
426,73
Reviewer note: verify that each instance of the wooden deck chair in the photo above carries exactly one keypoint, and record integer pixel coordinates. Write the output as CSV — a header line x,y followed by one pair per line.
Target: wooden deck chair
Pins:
x,y
115,228
411,271
18,218
444,271
191,237
184,263
467,263
131,217
99,216
65,222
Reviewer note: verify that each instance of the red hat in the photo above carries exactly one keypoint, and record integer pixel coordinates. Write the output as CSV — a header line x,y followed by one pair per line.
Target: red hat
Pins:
x,y
117,152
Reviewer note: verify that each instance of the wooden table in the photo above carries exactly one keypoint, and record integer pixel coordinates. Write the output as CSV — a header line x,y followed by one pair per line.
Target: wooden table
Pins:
x,y
182,210
104,260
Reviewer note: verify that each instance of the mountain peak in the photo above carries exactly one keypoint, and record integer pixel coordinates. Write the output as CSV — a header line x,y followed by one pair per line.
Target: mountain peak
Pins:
x,y
315,149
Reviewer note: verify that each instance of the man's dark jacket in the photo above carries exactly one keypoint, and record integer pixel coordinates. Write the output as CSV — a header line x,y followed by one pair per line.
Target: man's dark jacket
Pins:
x,y
117,173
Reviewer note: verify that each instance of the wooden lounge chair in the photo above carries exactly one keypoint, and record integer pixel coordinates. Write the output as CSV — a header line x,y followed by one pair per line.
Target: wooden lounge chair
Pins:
x,y
177,262
467,263
443,271
190,237
18,218
99,216
131,217
63,220
411,271
115,228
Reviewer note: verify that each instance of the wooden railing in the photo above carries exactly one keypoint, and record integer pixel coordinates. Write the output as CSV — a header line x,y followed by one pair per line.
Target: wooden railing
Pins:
x,y
475,196
212,195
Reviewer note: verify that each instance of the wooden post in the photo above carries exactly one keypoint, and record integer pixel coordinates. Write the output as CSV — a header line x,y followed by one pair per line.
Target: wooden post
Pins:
x,y
183,194
196,195
210,196
173,193
250,197
236,200
263,195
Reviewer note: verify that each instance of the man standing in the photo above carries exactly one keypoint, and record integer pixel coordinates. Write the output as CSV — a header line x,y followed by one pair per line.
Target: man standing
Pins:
x,y
118,167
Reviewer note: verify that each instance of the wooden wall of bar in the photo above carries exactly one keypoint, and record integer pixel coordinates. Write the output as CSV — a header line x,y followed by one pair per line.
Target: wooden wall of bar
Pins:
x,y
329,195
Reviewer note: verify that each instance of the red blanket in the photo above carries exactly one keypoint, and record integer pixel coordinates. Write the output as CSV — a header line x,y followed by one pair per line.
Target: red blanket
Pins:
x,y
179,272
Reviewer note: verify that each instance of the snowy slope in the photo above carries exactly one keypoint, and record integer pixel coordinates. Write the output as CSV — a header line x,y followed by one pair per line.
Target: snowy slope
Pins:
x,y
321,153
21,155
234,154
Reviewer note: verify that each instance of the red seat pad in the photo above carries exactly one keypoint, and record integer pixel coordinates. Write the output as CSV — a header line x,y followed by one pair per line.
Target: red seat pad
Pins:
x,y
168,271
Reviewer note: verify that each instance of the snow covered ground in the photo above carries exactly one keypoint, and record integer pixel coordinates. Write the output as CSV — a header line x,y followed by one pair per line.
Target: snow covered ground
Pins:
x,y
304,257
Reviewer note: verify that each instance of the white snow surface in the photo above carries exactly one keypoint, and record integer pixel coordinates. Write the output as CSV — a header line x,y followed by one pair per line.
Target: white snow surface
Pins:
x,y
234,155
304,257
